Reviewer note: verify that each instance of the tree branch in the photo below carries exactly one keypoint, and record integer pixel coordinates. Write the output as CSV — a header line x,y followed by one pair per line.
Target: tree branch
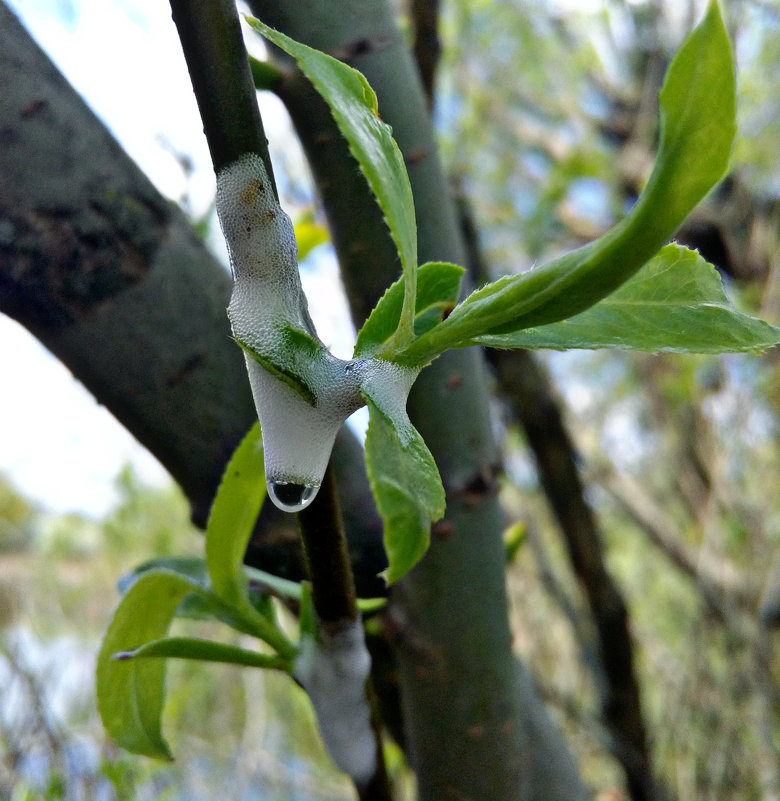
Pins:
x,y
109,276
210,35
327,558
427,46
662,532
333,595
526,390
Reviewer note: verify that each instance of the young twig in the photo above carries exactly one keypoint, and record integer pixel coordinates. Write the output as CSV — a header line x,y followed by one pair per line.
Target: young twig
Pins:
x,y
219,69
333,595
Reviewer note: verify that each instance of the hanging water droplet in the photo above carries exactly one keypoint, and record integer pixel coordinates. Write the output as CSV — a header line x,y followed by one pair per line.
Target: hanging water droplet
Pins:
x,y
291,497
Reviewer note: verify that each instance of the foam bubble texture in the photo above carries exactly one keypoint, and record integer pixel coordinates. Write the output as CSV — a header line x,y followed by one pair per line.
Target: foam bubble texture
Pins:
x,y
298,437
333,670
266,302
388,386
260,237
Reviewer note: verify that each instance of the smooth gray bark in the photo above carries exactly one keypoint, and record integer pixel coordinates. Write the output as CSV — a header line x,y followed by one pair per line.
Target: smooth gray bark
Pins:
x,y
110,276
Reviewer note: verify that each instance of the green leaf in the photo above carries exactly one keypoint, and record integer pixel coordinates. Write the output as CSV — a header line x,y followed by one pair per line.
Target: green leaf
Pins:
x,y
407,489
697,112
199,605
203,605
204,651
280,367
307,616
675,303
281,587
232,519
370,605
438,288
264,75
233,514
131,694
300,341
514,538
354,107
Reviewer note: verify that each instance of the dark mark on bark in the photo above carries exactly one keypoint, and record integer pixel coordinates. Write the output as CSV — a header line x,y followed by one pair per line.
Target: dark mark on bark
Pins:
x,y
361,47
58,263
416,156
34,108
478,486
192,364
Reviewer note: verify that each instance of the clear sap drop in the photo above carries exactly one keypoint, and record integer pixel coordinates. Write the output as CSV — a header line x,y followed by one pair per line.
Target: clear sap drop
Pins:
x,y
291,497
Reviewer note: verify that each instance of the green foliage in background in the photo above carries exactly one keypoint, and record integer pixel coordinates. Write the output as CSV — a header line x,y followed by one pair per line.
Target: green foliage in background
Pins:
x,y
246,726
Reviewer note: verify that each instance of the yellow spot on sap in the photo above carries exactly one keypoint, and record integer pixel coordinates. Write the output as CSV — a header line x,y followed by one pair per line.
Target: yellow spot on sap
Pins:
x,y
249,194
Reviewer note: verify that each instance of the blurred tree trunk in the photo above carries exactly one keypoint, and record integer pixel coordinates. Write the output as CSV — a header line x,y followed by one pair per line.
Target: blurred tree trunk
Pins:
x,y
110,278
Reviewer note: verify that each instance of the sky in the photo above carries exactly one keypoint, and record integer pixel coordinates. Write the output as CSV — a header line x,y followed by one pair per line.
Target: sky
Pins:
x,y
57,445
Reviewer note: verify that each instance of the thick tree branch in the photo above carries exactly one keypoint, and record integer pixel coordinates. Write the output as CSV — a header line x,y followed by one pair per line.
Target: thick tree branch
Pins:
x,y
110,277
525,388
527,391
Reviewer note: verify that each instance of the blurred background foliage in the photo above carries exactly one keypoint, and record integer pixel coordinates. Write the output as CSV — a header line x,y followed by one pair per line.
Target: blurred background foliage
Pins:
x,y
547,117
546,112
250,731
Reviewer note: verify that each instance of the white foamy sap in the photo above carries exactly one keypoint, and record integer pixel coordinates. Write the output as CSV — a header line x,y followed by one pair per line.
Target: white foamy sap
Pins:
x,y
333,670
266,303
